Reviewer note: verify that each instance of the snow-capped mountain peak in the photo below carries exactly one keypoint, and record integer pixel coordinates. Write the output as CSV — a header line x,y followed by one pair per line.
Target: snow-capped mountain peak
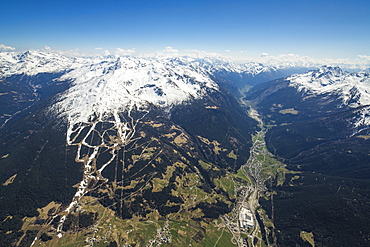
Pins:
x,y
115,84
106,84
217,65
331,74
35,62
335,81
321,77
353,89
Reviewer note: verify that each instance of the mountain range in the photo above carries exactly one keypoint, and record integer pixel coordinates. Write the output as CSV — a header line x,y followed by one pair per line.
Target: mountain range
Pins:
x,y
131,151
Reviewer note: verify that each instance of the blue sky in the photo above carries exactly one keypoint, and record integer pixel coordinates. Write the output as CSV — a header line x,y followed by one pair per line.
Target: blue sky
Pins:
x,y
314,28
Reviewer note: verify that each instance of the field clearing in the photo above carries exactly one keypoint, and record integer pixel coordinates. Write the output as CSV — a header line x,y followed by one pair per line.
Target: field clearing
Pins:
x,y
289,111
308,236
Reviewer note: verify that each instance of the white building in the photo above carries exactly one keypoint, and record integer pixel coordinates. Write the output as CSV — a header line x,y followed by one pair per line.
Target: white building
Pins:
x,y
245,218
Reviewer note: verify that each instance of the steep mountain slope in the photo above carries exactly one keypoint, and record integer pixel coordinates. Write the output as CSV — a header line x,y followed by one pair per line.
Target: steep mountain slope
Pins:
x,y
28,77
129,149
327,104
320,126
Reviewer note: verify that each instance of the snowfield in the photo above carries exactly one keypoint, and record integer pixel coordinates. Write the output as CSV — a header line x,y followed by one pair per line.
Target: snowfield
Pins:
x,y
352,88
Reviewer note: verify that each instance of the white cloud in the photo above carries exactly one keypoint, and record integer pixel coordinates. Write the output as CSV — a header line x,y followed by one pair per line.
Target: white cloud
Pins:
x,y
227,50
202,54
102,51
170,49
123,52
6,48
47,48
287,60
74,52
294,60
366,57
71,53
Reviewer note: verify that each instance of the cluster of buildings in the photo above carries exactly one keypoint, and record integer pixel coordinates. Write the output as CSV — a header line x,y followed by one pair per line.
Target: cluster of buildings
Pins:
x,y
245,218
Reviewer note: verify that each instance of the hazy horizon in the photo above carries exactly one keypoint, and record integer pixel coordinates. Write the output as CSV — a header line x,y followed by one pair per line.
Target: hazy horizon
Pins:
x,y
315,31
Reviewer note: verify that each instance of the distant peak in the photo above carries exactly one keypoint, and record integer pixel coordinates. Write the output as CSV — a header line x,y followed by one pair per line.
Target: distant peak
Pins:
x,y
328,70
321,77
352,88
24,55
